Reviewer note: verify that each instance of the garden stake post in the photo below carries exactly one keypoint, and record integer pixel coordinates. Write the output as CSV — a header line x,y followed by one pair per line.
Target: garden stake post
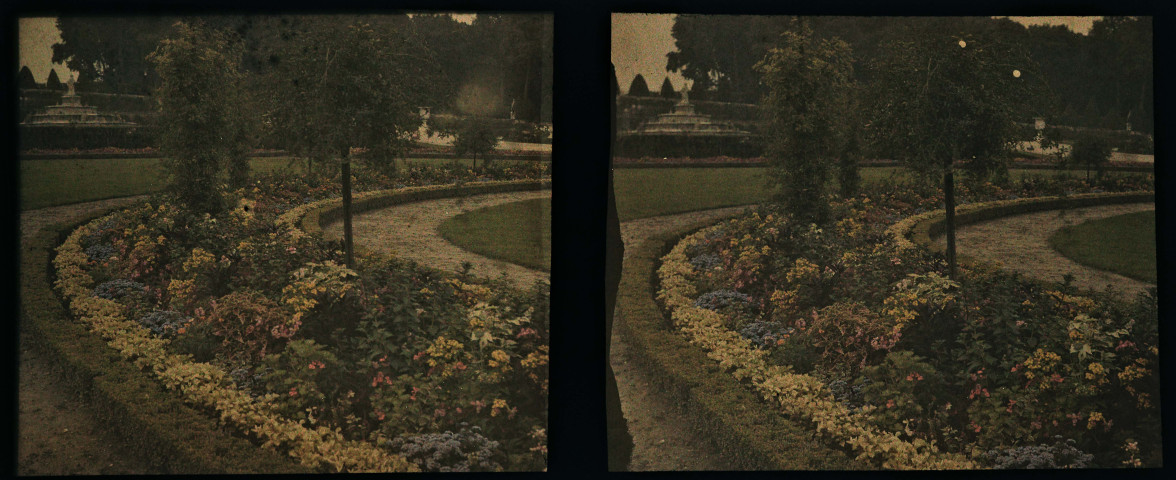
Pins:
x,y
949,221
347,241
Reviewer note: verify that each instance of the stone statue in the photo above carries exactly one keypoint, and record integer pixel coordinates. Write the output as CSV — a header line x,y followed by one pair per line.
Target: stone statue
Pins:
x,y
69,83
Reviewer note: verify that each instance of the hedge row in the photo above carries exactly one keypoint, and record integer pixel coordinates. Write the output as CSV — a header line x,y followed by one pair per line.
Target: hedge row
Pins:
x,y
157,425
745,431
922,229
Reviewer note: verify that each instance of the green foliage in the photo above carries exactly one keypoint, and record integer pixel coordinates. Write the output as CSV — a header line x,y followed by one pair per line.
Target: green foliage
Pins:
x,y
335,85
475,136
111,52
1092,153
203,115
810,86
943,96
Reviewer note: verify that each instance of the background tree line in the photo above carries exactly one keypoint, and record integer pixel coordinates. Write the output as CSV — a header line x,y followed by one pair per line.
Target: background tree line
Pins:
x,y
481,68
1099,80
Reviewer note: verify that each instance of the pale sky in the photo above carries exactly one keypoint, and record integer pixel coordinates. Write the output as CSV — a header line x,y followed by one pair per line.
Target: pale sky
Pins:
x,y
37,36
640,42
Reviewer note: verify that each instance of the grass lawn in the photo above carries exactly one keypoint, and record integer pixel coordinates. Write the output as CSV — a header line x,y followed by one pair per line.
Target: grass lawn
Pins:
x,y
650,192
47,183
1124,244
517,232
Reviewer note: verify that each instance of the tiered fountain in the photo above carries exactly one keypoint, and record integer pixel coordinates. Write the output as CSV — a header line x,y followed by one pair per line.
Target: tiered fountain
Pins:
x,y
684,133
73,125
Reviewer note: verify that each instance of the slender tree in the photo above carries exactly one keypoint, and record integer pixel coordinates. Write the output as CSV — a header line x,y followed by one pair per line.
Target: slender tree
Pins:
x,y
944,97
809,85
203,117
339,84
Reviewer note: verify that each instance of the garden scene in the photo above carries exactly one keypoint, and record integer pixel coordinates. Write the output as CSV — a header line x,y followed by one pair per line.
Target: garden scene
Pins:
x,y
287,244
888,243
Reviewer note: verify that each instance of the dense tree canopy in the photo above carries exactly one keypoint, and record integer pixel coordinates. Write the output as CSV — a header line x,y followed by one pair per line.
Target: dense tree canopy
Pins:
x,y
111,52
1095,80
483,68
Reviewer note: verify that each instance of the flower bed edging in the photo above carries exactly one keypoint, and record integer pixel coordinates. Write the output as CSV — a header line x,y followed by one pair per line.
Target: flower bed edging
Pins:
x,y
795,395
207,385
158,426
919,230
311,217
722,410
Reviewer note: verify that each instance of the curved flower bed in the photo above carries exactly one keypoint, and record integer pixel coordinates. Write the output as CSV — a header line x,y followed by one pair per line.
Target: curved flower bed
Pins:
x,y
389,367
868,341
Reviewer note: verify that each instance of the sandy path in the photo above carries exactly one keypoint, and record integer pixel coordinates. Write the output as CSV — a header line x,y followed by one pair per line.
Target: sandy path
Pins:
x,y
660,441
410,231
1023,246
58,433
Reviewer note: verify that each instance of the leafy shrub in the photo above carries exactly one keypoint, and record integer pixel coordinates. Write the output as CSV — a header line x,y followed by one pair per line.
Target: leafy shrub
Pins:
x,y
249,324
101,251
848,335
198,340
706,262
904,388
465,450
765,334
722,299
1061,454
118,288
164,323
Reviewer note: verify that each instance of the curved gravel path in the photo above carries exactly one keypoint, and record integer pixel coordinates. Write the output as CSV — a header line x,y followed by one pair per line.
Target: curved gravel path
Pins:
x,y
410,231
659,441
58,433
1021,243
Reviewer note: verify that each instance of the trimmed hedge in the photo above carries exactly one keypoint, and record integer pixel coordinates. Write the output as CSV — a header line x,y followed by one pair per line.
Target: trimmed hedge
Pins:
x,y
157,425
922,229
737,423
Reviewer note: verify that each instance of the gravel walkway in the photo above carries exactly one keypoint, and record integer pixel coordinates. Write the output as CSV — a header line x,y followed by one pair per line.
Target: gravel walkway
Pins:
x,y
410,231
1021,243
660,442
58,434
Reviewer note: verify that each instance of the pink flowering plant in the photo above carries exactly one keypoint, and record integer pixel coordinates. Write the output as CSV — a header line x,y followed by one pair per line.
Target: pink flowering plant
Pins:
x,y
985,365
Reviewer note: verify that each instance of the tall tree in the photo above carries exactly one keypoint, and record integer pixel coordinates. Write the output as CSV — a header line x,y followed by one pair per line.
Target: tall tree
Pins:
x,y
203,116
637,87
809,85
667,89
944,97
337,85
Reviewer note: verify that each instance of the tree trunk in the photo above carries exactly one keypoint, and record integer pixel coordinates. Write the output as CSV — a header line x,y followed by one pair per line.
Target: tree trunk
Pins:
x,y
949,223
348,244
